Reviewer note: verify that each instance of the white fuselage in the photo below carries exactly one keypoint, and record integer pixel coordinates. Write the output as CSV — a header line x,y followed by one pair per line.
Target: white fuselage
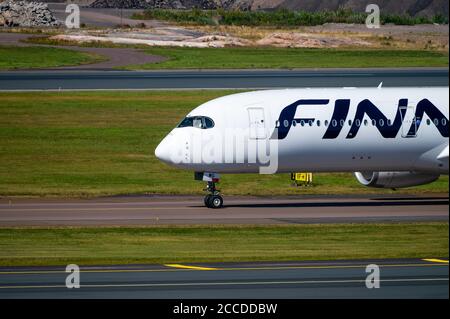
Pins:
x,y
318,130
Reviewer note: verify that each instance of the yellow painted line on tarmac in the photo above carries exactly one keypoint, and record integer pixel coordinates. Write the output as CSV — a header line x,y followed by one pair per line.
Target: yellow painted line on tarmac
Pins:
x,y
190,267
435,260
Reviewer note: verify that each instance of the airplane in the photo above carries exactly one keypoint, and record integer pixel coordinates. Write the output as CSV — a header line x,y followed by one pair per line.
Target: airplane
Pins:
x,y
389,137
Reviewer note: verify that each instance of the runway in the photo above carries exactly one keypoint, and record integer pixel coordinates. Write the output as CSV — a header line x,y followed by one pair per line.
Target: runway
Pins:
x,y
405,278
223,79
184,210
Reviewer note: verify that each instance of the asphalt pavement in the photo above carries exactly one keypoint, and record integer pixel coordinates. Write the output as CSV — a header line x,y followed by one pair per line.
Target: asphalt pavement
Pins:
x,y
220,79
184,210
404,278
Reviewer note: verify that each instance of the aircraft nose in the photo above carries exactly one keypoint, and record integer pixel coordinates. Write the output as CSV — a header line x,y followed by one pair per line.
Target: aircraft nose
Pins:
x,y
163,151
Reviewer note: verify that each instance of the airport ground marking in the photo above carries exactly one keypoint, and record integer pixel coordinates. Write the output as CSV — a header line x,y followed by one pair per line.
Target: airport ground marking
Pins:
x,y
190,267
237,283
187,268
435,260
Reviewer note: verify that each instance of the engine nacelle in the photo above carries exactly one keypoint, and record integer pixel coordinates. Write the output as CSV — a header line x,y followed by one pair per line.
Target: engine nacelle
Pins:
x,y
394,179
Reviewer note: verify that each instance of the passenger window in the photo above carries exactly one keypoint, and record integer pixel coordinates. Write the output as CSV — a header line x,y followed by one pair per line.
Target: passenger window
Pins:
x,y
381,122
366,122
334,123
310,122
342,122
318,122
349,122
358,123
428,122
326,123
277,123
302,123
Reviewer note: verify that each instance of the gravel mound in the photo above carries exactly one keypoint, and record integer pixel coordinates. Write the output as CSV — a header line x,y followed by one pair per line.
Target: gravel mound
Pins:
x,y
26,14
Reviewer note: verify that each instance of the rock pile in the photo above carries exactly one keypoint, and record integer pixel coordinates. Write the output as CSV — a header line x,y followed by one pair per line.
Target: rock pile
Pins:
x,y
174,4
124,4
26,14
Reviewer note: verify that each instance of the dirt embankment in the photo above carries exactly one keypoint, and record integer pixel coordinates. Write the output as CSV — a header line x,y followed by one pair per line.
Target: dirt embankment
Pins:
x,y
103,26
429,37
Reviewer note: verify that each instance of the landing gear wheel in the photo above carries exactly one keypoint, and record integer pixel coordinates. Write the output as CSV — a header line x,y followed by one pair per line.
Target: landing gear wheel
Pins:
x,y
206,199
215,201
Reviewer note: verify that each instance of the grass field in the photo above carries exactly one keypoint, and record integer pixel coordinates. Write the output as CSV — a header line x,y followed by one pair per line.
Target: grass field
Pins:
x,y
76,144
271,57
12,57
244,58
59,246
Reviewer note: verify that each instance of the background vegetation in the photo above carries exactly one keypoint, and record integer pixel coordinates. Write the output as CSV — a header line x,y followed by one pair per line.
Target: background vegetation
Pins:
x,y
279,18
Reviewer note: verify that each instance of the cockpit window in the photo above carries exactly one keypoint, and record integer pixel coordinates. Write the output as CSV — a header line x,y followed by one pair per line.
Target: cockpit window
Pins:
x,y
202,122
186,122
208,122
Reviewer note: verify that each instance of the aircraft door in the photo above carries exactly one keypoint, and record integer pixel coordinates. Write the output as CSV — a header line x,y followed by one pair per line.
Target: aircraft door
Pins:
x,y
409,120
257,123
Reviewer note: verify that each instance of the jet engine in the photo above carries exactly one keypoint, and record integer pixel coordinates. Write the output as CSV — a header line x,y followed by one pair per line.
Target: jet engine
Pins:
x,y
394,179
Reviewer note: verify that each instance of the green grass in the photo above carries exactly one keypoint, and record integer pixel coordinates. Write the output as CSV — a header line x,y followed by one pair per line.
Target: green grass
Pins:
x,y
244,58
270,57
279,18
48,40
76,144
12,57
59,246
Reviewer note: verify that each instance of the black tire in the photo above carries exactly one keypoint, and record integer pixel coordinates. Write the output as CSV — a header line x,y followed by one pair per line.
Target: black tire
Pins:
x,y
206,200
215,201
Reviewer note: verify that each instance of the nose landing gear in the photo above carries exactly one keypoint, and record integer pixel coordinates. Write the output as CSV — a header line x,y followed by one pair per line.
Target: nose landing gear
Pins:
x,y
213,199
